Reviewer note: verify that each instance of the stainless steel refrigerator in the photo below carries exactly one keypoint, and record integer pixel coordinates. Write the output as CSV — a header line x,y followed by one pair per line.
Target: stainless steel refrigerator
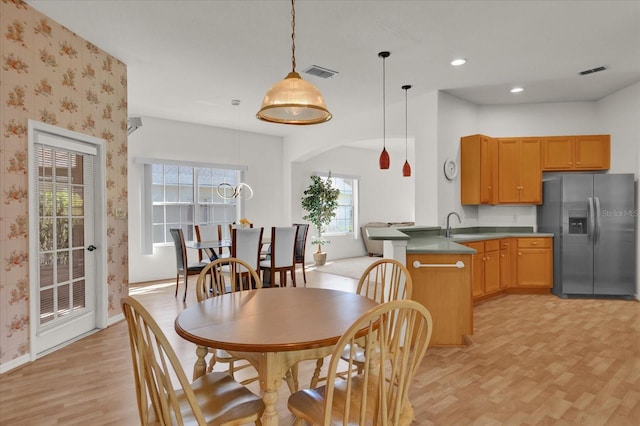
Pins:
x,y
592,217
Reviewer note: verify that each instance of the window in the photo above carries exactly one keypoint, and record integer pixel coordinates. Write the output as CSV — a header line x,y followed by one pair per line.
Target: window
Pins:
x,y
344,222
179,195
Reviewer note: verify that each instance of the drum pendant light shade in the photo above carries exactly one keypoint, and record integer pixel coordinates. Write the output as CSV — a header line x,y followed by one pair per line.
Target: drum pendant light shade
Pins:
x,y
384,155
293,100
406,169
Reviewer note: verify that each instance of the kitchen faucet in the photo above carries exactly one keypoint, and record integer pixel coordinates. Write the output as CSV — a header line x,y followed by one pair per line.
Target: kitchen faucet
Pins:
x,y
447,232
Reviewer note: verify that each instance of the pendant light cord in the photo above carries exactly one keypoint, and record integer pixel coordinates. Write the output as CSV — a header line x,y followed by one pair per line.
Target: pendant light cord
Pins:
x,y
406,89
384,112
293,35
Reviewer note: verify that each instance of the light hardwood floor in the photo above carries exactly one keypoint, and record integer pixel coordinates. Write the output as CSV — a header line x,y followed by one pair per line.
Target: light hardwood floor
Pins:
x,y
534,360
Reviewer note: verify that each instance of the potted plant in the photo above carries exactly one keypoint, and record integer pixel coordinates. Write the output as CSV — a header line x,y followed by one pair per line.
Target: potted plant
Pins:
x,y
320,200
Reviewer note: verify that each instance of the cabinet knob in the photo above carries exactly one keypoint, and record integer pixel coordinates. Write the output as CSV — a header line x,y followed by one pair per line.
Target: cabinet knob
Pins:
x,y
570,162
534,242
577,162
519,253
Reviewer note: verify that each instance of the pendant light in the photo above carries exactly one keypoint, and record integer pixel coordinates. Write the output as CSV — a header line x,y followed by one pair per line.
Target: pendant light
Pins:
x,y
406,169
293,100
384,155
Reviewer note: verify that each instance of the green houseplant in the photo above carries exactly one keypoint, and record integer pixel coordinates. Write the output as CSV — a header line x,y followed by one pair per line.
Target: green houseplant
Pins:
x,y
320,200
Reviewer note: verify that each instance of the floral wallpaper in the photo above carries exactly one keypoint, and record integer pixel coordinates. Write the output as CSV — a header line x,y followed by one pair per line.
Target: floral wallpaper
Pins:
x,y
49,74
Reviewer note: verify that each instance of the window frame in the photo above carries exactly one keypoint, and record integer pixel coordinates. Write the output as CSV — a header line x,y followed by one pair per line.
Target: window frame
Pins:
x,y
199,210
354,197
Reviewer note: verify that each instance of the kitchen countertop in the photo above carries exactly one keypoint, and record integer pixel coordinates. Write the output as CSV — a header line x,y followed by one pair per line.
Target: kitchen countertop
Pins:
x,y
428,240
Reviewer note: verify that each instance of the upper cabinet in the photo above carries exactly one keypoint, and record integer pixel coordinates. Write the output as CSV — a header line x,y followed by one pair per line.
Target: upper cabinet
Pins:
x,y
519,172
566,153
479,170
509,170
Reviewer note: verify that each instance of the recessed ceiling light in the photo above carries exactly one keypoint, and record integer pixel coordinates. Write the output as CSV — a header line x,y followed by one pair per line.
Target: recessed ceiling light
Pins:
x,y
517,90
458,62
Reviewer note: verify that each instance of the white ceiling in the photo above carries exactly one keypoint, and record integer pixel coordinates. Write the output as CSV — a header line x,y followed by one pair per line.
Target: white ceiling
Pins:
x,y
187,60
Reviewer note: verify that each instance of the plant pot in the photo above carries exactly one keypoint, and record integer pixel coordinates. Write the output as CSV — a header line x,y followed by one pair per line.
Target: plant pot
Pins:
x,y
320,258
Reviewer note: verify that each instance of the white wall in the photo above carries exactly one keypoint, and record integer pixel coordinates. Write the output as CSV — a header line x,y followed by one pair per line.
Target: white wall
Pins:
x,y
426,169
384,195
456,118
166,139
620,113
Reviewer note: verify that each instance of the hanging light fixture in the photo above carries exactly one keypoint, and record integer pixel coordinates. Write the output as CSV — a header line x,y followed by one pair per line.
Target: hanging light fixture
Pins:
x,y
384,155
293,100
406,169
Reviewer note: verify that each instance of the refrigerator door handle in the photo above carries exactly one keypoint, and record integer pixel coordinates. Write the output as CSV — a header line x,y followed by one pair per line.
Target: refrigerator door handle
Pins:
x,y
597,221
592,224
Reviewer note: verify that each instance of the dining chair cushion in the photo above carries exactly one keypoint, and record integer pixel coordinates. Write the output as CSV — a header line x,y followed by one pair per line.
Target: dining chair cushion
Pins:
x,y
217,394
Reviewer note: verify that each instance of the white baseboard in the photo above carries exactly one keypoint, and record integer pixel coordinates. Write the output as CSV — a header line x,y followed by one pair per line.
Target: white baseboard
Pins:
x,y
24,359
115,319
14,363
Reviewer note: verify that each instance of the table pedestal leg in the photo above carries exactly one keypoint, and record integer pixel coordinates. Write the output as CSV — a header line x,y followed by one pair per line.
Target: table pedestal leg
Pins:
x,y
200,366
316,373
271,373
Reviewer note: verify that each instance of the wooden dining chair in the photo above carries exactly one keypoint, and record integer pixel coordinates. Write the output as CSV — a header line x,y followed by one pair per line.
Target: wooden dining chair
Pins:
x,y
384,280
281,258
397,334
163,392
182,264
301,244
220,277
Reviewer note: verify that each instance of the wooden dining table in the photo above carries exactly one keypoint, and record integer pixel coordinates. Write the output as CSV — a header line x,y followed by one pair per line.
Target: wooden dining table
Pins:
x,y
272,328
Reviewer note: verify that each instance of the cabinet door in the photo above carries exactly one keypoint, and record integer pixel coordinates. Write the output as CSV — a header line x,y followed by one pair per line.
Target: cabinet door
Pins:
x,y
557,153
592,152
477,269
534,268
506,263
530,178
488,170
491,271
508,171
478,170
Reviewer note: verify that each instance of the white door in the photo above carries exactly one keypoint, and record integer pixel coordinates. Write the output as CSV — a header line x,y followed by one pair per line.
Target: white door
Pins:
x,y
64,284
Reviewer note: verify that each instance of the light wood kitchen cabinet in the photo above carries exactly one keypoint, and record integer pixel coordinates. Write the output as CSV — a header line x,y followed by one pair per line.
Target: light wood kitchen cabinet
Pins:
x,y
584,152
478,170
446,292
507,262
519,171
485,267
534,262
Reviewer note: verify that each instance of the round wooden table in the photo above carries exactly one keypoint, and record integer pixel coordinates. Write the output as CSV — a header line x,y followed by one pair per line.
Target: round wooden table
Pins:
x,y
272,328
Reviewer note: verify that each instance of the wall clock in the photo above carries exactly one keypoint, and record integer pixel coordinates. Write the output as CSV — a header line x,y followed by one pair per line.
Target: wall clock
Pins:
x,y
450,169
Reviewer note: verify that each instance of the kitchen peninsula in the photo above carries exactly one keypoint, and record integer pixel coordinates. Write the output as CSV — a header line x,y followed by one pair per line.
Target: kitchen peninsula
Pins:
x,y
451,274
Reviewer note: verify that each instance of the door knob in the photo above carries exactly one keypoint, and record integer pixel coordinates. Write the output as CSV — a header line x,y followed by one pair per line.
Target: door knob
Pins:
x,y
91,247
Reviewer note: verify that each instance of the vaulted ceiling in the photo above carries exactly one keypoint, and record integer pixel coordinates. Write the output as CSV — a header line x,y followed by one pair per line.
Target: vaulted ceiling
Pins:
x,y
187,60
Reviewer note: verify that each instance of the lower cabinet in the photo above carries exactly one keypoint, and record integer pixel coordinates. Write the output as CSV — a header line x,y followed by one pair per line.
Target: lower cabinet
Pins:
x,y
534,263
446,291
486,267
510,264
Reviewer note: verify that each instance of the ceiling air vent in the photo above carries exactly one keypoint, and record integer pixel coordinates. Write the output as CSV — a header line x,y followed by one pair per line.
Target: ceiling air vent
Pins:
x,y
320,72
591,71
